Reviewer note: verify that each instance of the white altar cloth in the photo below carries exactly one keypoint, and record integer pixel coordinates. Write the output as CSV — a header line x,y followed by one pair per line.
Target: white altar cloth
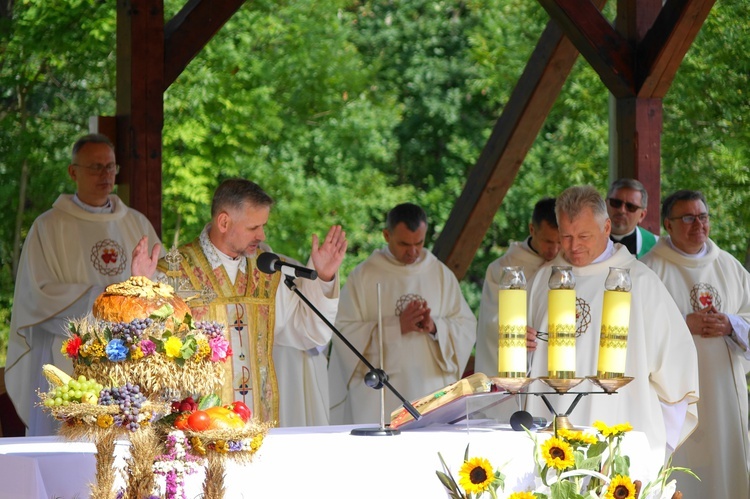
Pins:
x,y
307,462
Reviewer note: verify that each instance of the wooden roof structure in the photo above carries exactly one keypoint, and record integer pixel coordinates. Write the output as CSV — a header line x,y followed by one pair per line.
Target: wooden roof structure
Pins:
x,y
636,57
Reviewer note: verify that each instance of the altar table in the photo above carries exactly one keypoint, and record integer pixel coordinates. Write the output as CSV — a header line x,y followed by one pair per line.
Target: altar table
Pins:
x,y
308,462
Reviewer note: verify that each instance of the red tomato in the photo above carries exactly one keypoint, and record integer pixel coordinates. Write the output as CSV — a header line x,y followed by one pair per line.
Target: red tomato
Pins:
x,y
241,409
199,421
181,422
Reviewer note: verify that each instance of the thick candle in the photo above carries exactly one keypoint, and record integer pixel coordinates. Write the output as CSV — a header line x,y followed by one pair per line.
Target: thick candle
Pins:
x,y
613,340
511,325
561,313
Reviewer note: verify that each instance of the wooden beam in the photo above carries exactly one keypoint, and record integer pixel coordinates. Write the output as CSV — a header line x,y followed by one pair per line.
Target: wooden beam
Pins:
x,y
607,51
512,137
140,108
638,123
664,46
190,30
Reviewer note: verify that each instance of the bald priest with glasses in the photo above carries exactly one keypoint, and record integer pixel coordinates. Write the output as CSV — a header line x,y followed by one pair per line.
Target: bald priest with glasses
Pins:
x,y
627,205
87,241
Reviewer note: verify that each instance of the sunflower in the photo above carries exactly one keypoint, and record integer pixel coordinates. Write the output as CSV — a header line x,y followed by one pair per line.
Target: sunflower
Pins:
x,y
620,488
558,453
476,475
577,437
613,431
521,495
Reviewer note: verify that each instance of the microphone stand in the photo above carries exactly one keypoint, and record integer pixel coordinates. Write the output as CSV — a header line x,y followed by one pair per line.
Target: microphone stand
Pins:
x,y
375,378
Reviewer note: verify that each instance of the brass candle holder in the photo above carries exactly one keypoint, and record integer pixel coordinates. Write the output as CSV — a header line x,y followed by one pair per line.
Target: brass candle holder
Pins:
x,y
511,385
561,385
610,385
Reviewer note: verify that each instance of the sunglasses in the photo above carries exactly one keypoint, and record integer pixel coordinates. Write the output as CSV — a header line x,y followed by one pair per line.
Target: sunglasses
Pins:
x,y
617,204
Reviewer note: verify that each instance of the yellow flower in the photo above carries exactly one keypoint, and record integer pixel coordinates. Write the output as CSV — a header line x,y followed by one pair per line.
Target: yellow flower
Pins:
x,y
94,349
197,444
203,349
475,475
64,348
256,442
136,354
521,495
613,431
577,437
105,420
172,347
558,453
620,488
221,446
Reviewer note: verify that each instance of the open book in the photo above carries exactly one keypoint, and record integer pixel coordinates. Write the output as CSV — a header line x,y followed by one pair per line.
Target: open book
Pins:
x,y
446,405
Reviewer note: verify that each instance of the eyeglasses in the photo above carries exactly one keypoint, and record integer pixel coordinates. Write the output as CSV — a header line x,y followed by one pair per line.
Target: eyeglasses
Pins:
x,y
98,168
690,219
617,204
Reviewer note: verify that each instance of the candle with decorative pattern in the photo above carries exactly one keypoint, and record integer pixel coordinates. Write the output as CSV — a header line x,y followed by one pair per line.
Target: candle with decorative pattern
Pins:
x,y
561,320
511,324
613,340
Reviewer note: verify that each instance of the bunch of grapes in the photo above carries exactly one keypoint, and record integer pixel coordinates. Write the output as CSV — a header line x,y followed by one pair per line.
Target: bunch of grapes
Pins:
x,y
130,332
129,399
210,328
80,390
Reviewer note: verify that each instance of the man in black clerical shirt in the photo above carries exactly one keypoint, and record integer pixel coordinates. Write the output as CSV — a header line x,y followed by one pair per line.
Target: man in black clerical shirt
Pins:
x,y
627,202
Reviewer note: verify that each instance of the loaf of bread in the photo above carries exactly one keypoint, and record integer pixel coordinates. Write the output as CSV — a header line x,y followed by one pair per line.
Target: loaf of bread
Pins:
x,y
137,298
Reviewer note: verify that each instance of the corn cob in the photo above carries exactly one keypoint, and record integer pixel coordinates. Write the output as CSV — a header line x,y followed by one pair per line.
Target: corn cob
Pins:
x,y
55,375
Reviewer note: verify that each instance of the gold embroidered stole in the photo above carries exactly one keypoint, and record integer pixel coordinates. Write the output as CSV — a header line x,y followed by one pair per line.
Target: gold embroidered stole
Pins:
x,y
248,309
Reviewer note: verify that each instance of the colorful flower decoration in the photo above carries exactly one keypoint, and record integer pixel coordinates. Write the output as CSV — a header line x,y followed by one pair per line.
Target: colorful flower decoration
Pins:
x,y
91,341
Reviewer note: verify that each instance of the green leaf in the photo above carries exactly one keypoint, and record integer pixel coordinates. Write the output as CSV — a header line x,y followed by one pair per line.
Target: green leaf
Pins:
x,y
188,348
162,313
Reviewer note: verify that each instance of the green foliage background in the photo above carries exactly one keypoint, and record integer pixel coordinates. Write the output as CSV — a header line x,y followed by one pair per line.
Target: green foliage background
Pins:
x,y
341,109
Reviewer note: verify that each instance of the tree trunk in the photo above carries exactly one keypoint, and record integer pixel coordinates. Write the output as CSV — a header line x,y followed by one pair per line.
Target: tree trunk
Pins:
x,y
22,183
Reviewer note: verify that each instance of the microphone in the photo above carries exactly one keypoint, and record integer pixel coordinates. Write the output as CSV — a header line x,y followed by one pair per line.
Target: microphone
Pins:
x,y
522,419
270,262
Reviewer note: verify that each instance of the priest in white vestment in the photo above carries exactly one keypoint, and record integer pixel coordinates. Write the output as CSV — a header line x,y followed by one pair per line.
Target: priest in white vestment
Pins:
x,y
278,342
71,253
712,290
428,329
661,399
541,246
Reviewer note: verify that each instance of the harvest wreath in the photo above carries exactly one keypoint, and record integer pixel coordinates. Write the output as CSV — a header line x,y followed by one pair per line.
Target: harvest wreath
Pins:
x,y
133,357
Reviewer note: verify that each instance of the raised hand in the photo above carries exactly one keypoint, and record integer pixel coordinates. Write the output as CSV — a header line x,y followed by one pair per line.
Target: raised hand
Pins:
x,y
141,263
327,257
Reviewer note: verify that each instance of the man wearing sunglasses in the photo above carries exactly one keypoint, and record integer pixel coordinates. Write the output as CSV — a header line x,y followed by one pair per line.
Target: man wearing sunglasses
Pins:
x,y
627,202
87,241
712,290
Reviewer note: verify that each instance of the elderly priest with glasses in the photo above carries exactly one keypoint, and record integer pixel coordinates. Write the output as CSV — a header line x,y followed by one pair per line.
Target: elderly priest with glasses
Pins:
x,y
627,205
87,241
712,290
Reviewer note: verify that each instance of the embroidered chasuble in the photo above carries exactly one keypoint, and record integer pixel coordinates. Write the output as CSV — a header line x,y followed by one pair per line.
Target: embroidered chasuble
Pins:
x,y
247,308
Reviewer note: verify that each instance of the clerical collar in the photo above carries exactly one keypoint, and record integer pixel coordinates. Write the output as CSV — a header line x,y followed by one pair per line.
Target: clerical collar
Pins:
x,y
618,237
703,252
395,260
608,252
527,245
630,240
107,208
